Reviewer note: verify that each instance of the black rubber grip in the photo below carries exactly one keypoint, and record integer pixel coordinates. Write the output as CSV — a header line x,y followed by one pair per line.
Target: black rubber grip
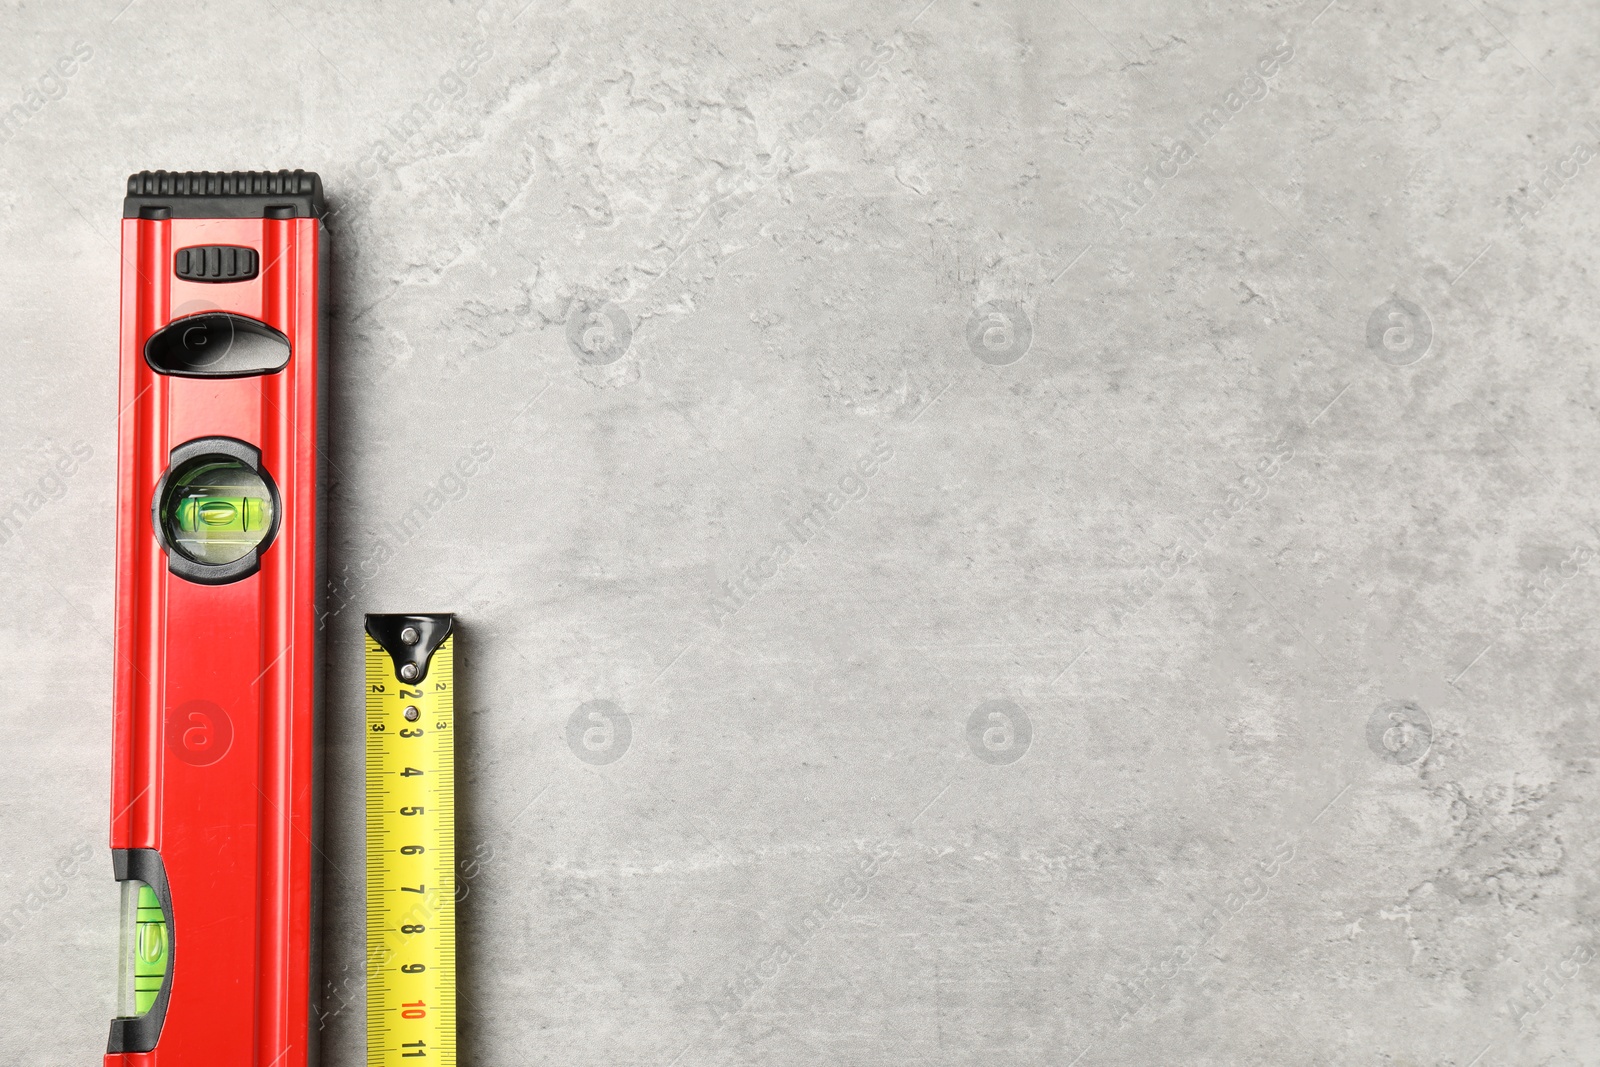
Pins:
x,y
216,263
224,194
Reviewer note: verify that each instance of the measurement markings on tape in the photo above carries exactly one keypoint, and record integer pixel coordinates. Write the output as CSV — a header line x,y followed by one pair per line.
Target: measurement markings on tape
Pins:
x,y
411,856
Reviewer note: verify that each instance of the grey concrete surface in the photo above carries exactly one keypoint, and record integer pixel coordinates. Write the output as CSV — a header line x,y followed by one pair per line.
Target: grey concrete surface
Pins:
x,y
1189,654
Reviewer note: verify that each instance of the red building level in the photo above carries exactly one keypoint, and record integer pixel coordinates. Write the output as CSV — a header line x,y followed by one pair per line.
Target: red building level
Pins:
x,y
218,649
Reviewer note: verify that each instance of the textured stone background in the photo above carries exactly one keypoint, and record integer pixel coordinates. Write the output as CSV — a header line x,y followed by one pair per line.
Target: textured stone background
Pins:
x,y
1301,782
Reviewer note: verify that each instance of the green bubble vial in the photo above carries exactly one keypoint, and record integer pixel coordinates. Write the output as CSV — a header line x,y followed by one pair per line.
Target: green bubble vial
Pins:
x,y
142,961
216,510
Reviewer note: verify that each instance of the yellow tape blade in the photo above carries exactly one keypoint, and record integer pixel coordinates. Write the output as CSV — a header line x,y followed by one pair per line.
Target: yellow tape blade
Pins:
x,y
411,863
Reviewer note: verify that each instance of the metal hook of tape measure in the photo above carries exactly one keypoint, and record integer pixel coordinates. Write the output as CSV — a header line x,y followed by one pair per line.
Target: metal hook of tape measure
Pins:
x,y
410,640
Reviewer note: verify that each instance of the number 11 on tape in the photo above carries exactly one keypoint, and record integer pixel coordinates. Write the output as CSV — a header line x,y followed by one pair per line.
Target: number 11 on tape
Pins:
x,y
411,841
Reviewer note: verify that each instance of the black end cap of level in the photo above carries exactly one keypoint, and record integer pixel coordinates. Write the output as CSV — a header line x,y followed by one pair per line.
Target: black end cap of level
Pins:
x,y
225,194
431,632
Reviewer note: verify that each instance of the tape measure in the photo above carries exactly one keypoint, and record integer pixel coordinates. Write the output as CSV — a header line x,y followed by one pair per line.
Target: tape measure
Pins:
x,y
411,841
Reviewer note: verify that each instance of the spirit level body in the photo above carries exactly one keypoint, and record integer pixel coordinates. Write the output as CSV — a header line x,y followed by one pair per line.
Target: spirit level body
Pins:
x,y
217,681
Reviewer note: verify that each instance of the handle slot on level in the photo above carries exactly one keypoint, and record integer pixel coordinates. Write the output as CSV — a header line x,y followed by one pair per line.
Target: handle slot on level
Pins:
x,y
216,344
